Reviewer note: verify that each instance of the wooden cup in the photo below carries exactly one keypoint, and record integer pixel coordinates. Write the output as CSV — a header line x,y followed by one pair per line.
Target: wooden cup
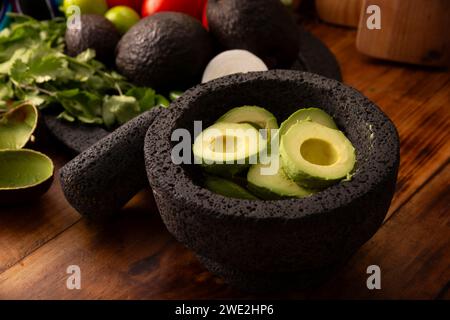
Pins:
x,y
412,31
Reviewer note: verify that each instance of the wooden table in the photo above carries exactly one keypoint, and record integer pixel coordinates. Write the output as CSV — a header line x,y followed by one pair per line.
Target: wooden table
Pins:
x,y
134,257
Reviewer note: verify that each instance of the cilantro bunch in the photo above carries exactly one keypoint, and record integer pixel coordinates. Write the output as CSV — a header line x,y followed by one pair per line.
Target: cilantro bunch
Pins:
x,y
34,68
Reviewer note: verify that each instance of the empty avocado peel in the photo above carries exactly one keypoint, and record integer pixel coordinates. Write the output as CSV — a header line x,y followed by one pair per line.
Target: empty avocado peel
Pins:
x,y
24,175
17,126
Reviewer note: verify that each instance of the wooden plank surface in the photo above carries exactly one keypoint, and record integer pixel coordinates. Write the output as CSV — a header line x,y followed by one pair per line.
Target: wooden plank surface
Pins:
x,y
134,257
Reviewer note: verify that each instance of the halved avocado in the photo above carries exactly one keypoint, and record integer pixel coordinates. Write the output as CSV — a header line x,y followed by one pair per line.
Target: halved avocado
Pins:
x,y
227,188
273,187
24,175
313,114
256,116
316,156
17,126
226,149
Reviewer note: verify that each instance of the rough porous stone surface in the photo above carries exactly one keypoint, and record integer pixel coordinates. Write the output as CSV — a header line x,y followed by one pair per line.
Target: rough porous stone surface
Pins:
x,y
75,136
275,237
102,179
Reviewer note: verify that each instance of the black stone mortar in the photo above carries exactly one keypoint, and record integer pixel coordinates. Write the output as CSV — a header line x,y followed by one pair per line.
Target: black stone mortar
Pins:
x,y
102,179
262,245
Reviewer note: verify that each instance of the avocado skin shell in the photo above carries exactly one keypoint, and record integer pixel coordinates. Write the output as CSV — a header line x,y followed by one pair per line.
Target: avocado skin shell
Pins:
x,y
13,197
265,28
96,33
166,50
262,245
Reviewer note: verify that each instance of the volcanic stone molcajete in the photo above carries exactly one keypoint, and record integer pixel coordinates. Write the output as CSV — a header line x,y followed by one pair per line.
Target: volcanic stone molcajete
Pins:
x,y
100,180
261,244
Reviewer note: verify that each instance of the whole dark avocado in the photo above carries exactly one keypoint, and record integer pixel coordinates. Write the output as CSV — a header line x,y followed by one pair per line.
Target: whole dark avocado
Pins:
x,y
265,28
96,33
166,50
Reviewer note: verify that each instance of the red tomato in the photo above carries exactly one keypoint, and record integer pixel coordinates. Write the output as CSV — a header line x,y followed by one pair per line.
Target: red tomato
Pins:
x,y
193,8
135,4
204,16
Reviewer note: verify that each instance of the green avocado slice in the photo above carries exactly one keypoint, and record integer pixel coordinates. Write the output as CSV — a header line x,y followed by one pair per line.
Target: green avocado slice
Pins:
x,y
316,156
259,117
313,114
17,126
225,149
275,186
227,188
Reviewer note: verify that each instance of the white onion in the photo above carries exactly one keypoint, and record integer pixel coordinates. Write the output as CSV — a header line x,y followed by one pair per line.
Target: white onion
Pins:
x,y
231,62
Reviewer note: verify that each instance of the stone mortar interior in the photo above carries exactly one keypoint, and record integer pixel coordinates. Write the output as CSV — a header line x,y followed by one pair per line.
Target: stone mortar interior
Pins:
x,y
282,93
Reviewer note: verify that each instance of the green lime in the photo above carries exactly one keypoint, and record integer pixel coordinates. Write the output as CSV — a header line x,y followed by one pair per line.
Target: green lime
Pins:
x,y
86,6
122,17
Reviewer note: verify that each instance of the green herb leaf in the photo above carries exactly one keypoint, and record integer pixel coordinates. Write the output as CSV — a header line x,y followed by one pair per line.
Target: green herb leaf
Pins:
x,y
33,67
145,96
119,109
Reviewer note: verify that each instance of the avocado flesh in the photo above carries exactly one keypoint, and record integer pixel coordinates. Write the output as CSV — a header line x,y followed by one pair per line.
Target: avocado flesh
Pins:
x,y
23,168
315,156
273,187
313,114
227,188
17,126
226,149
254,115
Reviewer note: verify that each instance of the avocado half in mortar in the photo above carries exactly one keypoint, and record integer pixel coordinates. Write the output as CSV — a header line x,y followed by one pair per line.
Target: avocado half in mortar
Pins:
x,y
316,156
224,143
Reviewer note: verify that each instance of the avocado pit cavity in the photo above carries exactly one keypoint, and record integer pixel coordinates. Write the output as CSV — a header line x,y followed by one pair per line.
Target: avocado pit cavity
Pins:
x,y
318,152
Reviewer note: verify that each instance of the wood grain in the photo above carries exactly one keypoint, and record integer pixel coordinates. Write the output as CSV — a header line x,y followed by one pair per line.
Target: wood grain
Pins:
x,y
411,249
134,257
417,101
25,228
413,31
